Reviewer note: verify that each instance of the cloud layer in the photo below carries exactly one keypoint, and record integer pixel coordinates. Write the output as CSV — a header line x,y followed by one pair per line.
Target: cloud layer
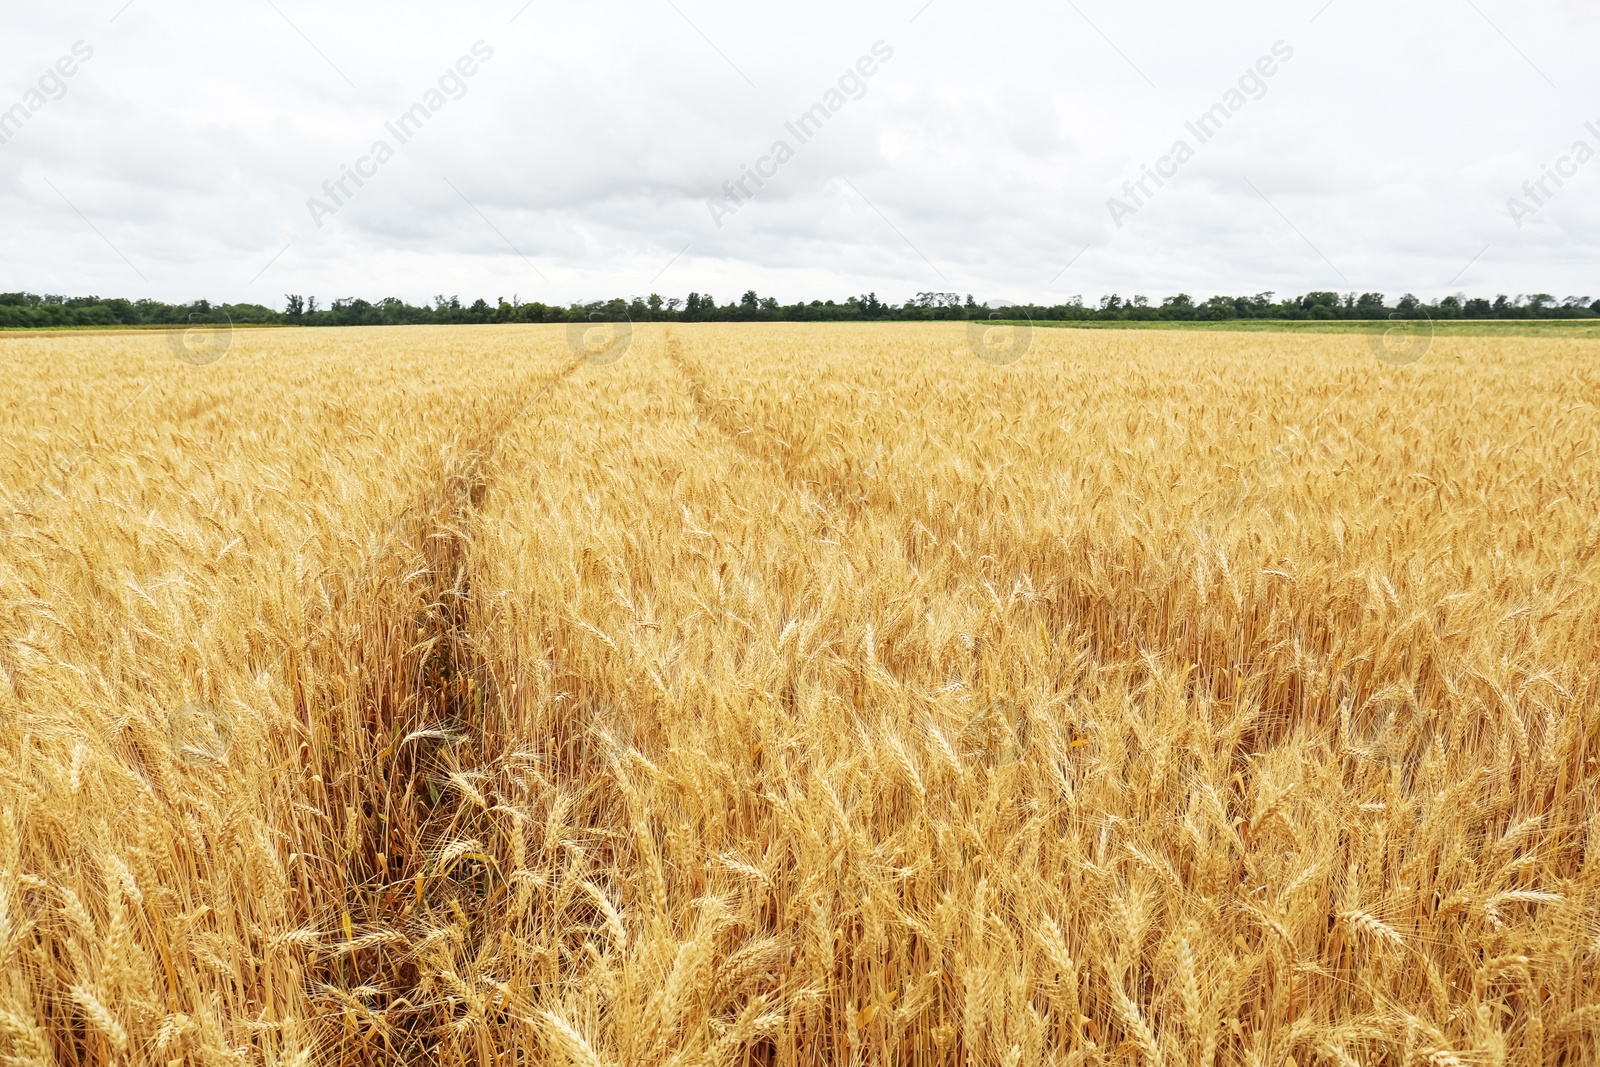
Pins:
x,y
581,155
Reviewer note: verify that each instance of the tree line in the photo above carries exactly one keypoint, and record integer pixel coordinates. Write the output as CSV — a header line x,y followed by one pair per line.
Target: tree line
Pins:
x,y
27,310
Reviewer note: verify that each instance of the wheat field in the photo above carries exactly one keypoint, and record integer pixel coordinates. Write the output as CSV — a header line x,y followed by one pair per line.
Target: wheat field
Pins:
x,y
799,695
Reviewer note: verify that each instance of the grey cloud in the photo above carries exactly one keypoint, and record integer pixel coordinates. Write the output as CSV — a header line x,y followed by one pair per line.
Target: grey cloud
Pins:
x,y
595,136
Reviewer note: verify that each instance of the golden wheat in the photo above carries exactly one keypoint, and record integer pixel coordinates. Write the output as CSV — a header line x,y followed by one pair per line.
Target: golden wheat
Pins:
x,y
795,694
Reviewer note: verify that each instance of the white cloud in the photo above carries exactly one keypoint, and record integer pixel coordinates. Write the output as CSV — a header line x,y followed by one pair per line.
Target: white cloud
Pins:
x,y
990,144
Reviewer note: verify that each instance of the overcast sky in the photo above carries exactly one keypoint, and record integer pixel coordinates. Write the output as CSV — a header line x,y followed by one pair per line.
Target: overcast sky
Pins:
x,y
581,158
